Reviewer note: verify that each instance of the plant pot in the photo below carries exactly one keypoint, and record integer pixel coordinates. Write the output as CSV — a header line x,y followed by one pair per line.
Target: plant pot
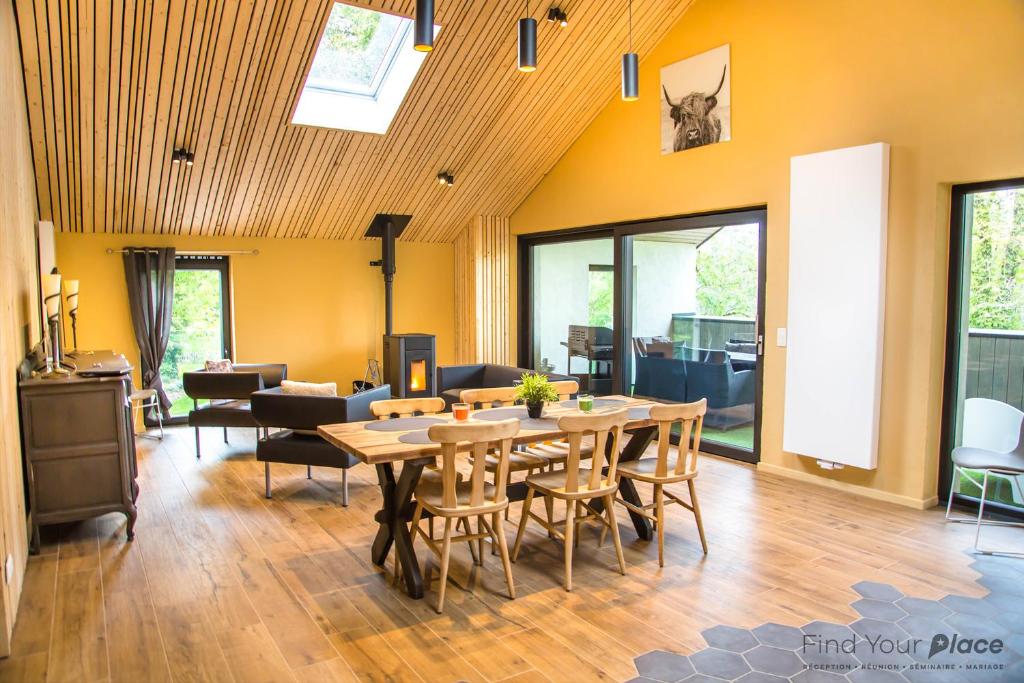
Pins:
x,y
535,409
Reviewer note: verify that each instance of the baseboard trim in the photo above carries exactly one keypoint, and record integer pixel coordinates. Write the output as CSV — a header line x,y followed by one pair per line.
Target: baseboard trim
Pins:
x,y
866,492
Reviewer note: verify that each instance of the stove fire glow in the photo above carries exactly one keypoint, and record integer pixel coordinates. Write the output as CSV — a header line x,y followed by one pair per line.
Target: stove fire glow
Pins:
x,y
417,375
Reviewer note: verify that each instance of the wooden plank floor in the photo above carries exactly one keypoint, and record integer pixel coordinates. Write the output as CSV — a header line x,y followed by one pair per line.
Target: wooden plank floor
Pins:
x,y
224,585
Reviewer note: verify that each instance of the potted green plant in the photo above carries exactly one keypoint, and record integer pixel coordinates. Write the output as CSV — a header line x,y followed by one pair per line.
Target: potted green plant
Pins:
x,y
534,391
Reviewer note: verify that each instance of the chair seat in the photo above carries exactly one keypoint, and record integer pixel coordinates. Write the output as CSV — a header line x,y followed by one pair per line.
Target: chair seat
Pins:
x,y
558,452
553,484
981,459
518,461
142,394
645,468
429,492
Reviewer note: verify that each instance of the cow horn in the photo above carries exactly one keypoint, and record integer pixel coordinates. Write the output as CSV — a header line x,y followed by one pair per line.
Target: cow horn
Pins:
x,y
667,98
720,83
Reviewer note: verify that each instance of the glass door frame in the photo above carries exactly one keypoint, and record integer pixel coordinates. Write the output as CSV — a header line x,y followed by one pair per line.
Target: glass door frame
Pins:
x,y
203,262
956,288
623,300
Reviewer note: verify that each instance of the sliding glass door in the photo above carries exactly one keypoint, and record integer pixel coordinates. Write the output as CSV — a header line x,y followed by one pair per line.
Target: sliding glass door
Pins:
x,y
571,320
200,324
985,340
667,309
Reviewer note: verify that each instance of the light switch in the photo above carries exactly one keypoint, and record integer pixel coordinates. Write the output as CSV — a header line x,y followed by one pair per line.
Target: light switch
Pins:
x,y
780,336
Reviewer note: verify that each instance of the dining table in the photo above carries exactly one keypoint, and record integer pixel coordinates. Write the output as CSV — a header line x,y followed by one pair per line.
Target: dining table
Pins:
x,y
385,443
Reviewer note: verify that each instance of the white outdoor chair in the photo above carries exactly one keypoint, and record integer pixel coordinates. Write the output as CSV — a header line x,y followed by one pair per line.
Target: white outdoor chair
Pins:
x,y
147,398
993,443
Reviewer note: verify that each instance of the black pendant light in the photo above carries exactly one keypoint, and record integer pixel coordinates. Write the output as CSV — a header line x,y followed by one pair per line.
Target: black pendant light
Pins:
x,y
630,67
424,30
527,42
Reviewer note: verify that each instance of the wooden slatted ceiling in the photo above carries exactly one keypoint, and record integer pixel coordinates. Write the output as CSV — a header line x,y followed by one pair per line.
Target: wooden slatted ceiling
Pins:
x,y
113,87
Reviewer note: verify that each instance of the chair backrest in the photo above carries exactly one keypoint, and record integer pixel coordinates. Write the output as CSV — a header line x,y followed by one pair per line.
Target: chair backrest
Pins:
x,y
483,437
602,426
407,407
991,425
565,388
691,419
489,397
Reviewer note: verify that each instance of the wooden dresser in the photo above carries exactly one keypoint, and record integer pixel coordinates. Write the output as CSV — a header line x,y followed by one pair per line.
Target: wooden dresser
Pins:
x,y
79,443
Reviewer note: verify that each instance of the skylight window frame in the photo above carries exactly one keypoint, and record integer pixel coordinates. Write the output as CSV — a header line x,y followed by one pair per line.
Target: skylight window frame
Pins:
x,y
383,70
360,111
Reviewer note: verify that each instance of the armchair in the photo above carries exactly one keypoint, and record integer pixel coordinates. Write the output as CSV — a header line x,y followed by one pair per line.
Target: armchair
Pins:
x,y
452,380
228,395
724,388
297,417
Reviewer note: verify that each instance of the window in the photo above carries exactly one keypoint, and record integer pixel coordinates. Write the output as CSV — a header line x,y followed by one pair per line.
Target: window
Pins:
x,y
985,339
200,324
361,72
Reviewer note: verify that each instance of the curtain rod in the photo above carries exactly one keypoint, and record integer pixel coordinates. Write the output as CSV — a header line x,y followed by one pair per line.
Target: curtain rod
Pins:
x,y
223,252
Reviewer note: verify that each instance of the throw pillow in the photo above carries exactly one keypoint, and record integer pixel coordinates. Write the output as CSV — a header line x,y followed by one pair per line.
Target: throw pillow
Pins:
x,y
309,388
223,365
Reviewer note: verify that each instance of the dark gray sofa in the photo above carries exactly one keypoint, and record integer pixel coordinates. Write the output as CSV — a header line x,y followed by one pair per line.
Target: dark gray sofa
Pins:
x,y
452,379
297,418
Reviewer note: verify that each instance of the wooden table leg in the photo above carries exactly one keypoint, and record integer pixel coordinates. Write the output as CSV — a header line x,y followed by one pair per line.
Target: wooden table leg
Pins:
x,y
394,517
639,440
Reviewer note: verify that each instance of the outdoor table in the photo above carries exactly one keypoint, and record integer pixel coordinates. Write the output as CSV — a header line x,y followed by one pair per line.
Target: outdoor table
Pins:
x,y
383,443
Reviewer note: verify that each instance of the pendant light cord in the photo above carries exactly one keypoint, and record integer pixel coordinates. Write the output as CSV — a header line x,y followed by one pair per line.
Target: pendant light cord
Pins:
x,y
630,25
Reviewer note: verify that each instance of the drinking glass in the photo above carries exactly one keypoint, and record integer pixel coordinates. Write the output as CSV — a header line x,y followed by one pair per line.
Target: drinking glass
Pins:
x,y
460,411
586,402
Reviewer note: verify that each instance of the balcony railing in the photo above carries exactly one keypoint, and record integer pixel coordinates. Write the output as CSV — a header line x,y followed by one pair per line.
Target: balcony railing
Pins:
x,y
710,332
995,366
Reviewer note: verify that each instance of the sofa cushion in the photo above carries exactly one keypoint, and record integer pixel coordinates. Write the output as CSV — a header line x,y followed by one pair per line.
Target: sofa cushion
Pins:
x,y
451,396
302,449
222,365
309,388
222,414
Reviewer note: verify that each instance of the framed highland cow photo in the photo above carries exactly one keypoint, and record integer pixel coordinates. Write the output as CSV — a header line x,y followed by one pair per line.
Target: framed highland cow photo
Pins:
x,y
696,101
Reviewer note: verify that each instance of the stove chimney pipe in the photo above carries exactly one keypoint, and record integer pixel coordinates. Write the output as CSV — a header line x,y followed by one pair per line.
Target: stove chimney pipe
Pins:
x,y
387,226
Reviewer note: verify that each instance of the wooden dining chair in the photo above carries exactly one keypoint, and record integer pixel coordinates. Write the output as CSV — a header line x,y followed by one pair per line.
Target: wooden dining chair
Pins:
x,y
578,486
670,467
500,397
555,452
453,500
406,407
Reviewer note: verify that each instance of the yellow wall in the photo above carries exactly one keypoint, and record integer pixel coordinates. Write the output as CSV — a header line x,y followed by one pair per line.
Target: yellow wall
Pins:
x,y
314,304
941,81
19,306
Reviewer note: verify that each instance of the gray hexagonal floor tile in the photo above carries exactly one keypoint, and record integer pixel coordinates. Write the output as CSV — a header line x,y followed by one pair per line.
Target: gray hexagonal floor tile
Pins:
x,y
663,666
1004,586
816,676
875,676
972,626
773,660
719,663
923,608
701,678
877,591
878,609
965,605
759,677
780,636
827,630
922,627
872,628
729,638
934,676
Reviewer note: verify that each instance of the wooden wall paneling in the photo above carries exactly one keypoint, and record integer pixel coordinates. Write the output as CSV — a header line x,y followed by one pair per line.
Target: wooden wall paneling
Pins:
x,y
482,320
114,87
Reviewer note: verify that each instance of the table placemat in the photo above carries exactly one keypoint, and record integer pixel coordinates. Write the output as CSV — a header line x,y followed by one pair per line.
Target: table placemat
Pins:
x,y
401,424
519,412
640,413
598,403
418,437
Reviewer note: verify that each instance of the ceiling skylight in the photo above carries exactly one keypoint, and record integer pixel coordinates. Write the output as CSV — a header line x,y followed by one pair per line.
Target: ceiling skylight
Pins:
x,y
361,72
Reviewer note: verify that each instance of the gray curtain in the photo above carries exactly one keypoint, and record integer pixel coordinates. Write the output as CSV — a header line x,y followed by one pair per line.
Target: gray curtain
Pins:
x,y
150,277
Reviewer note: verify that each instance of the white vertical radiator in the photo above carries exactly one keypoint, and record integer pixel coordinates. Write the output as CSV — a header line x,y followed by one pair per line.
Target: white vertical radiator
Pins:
x,y
837,232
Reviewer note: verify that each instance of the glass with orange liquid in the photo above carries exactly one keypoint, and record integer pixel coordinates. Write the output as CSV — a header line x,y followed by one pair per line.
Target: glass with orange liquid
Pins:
x,y
460,411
